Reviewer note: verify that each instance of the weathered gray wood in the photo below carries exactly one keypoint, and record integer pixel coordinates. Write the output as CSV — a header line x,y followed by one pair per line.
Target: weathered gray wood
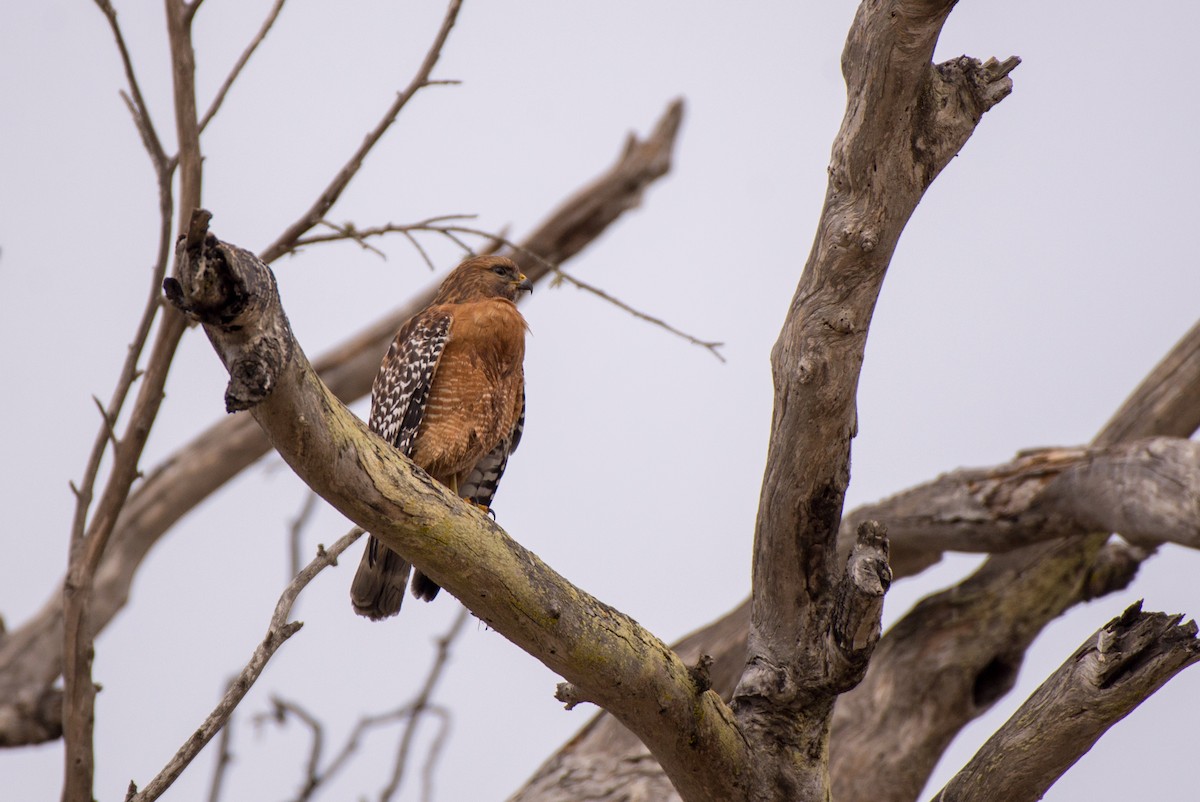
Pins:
x,y
1147,491
905,119
1120,666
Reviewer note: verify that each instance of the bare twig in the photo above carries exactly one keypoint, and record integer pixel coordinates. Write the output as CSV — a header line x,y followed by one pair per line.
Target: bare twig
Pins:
x,y
411,713
421,703
224,758
709,345
279,630
286,242
435,750
282,708
217,100
88,547
434,225
296,531
137,103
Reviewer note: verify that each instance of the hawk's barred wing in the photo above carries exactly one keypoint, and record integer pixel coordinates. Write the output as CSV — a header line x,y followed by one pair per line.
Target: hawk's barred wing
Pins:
x,y
480,486
402,386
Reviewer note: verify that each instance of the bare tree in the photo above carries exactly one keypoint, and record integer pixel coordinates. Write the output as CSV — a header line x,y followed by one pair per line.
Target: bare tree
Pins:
x,y
814,613
782,697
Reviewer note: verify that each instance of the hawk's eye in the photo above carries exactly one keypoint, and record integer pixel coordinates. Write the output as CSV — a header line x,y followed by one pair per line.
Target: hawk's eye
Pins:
x,y
499,270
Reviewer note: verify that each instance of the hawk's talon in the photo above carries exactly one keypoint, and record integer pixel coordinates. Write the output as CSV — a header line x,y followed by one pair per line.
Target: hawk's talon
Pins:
x,y
485,509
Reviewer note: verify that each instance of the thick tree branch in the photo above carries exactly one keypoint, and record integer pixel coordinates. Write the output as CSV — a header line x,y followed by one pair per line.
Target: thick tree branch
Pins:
x,y
31,657
905,120
969,641
1147,491
1116,670
617,663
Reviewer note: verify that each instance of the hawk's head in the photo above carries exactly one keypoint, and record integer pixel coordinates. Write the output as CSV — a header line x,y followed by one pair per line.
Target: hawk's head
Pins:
x,y
483,277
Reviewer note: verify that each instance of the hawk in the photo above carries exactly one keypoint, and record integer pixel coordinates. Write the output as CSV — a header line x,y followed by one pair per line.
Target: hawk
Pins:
x,y
450,395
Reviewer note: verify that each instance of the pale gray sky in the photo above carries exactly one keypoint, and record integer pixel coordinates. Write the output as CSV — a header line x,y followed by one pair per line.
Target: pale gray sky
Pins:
x,y
1048,268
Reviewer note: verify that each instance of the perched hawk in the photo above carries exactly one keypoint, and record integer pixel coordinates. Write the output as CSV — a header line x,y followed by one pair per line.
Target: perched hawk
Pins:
x,y
450,395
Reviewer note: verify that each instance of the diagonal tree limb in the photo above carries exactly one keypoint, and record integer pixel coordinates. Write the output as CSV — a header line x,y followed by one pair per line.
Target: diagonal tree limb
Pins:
x,y
997,613
614,660
31,655
278,631
1118,668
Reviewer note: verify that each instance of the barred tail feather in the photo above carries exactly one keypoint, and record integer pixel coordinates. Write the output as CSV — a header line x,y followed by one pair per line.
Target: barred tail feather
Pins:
x,y
378,587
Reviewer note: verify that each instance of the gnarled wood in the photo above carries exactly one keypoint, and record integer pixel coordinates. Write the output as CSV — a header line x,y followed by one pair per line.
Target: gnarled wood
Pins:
x,y
1126,661
905,119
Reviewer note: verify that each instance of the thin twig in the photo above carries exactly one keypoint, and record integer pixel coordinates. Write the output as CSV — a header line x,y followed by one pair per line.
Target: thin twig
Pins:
x,y
89,537
421,703
138,107
215,106
280,630
410,713
312,776
320,208
224,758
359,235
435,751
712,346
296,530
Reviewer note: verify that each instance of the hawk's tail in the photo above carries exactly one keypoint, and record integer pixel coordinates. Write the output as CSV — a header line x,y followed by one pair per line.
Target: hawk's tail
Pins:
x,y
378,586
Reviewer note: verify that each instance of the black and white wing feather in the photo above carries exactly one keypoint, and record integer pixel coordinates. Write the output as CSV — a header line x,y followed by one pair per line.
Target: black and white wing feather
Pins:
x,y
398,400
401,388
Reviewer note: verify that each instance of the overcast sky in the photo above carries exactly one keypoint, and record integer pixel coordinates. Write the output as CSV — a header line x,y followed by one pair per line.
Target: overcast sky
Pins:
x,y
1046,271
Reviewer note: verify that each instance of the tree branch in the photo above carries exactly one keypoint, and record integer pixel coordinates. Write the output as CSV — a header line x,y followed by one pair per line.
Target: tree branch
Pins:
x,y
287,240
969,641
617,662
905,119
1120,666
1147,491
219,98
279,630
31,657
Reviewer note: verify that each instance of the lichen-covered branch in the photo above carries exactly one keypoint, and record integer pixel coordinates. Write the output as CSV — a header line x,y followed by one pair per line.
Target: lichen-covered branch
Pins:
x,y
1126,661
615,661
31,656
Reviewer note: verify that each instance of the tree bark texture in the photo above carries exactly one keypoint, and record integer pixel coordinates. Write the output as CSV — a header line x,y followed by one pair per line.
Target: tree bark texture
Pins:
x,y
1121,665
31,656
905,119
